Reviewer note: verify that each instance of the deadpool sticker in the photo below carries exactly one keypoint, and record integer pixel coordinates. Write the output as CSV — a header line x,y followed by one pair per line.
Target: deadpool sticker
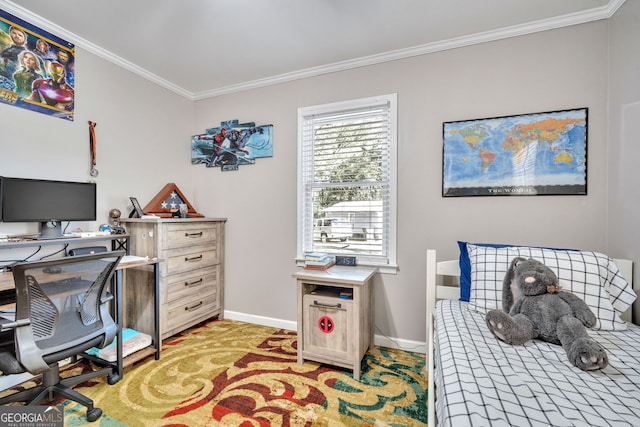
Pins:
x,y
325,323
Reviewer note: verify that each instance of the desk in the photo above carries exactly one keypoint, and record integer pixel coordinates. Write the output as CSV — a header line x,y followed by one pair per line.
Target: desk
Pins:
x,y
119,293
118,242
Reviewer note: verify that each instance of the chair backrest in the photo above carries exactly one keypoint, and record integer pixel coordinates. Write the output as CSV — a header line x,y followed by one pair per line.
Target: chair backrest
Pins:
x,y
61,307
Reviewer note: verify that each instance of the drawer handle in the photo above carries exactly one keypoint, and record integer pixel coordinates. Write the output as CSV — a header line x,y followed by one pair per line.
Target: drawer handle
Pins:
x,y
193,258
195,282
198,234
319,304
193,307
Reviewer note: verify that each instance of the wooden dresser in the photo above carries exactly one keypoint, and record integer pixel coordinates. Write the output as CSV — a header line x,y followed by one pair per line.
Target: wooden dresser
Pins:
x,y
192,271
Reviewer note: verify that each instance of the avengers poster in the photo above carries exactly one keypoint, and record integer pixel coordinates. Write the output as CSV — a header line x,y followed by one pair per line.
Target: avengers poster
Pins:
x,y
37,69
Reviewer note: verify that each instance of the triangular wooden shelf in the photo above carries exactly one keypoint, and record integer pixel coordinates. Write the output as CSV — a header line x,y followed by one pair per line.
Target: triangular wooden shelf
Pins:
x,y
167,201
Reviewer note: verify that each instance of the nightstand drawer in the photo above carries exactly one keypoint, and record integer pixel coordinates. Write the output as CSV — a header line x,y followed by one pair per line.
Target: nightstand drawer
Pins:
x,y
189,259
328,327
191,234
188,285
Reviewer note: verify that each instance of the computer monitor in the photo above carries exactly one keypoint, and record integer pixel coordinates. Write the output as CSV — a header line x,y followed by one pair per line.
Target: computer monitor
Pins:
x,y
47,202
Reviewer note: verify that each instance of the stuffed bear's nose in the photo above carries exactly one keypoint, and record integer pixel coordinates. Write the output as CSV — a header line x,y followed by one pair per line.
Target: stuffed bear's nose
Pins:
x,y
530,279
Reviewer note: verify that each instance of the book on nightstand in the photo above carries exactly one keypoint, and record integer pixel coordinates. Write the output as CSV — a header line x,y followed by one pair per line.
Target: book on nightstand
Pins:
x,y
346,294
318,260
320,267
315,256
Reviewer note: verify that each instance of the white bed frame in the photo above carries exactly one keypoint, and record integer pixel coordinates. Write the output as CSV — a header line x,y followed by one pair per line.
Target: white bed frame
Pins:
x,y
436,290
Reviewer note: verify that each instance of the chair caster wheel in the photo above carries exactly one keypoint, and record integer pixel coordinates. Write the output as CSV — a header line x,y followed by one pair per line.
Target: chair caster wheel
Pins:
x,y
94,414
112,379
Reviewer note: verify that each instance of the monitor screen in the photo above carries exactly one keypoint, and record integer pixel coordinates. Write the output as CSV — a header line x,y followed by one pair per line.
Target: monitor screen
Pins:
x,y
36,200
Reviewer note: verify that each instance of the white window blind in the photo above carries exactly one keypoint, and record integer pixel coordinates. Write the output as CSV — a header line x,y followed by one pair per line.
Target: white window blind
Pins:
x,y
347,179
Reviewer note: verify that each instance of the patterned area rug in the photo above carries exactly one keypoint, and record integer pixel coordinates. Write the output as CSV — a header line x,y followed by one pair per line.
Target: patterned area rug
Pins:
x,y
229,373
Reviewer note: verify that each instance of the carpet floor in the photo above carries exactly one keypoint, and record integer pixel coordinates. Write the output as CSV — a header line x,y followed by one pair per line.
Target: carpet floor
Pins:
x,y
230,373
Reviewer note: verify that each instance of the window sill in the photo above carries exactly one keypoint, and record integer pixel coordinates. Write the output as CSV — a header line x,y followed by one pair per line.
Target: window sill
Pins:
x,y
382,268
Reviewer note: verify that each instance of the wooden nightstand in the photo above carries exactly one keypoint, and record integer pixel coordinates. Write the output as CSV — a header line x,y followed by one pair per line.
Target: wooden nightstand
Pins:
x,y
335,315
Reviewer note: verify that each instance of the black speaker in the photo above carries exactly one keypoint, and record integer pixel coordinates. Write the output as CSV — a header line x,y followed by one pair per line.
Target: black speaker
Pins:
x,y
87,250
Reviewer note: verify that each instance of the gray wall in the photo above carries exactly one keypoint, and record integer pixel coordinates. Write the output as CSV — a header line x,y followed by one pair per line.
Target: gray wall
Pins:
x,y
144,134
624,147
141,135
553,70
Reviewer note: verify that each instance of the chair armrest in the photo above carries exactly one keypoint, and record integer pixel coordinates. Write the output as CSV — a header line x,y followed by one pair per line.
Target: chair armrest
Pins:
x,y
4,326
108,296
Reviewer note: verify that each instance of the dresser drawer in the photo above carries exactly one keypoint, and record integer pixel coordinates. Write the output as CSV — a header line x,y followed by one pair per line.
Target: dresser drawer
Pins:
x,y
189,259
191,234
189,285
186,311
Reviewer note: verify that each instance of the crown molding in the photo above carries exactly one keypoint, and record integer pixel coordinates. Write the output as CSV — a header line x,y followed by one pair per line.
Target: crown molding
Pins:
x,y
595,14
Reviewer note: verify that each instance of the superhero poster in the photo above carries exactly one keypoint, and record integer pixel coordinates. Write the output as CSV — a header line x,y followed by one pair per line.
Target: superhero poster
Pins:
x,y
232,144
37,69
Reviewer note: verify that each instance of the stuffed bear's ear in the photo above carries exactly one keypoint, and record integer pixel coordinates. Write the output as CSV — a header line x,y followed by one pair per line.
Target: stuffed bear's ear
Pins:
x,y
516,262
507,294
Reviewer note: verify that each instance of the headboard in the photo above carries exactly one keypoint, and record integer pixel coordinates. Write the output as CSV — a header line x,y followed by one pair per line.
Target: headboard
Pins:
x,y
436,276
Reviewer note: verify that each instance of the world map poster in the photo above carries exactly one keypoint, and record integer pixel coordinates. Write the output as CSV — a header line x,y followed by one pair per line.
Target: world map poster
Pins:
x,y
523,155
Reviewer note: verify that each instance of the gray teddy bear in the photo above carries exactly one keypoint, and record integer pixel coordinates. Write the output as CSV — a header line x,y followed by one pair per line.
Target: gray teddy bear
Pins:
x,y
533,306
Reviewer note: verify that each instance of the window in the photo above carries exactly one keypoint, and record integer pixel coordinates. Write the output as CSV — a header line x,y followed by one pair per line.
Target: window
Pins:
x,y
347,180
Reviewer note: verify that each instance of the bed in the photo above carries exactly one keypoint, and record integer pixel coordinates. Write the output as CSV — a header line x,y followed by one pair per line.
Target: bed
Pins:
x,y
477,380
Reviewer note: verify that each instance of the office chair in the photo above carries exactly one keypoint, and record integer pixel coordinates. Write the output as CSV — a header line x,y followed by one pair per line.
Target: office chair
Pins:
x,y
61,310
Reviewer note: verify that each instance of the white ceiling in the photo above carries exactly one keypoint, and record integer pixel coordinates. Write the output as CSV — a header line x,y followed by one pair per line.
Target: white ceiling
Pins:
x,y
203,48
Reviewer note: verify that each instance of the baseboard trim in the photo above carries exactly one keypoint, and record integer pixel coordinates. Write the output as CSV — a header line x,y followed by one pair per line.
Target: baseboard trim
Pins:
x,y
400,344
379,340
261,320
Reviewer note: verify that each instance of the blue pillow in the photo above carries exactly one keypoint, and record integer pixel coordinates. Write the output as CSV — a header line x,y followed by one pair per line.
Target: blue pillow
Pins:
x,y
465,267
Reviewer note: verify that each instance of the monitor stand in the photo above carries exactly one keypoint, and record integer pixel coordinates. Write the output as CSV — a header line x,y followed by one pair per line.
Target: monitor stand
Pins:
x,y
50,230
